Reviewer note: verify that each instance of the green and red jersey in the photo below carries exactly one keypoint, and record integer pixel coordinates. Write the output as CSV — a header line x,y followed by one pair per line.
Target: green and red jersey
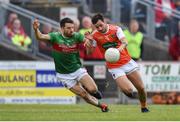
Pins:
x,y
66,52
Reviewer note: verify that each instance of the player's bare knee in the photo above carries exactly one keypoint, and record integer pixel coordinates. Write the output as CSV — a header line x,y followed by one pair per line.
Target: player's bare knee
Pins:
x,y
92,90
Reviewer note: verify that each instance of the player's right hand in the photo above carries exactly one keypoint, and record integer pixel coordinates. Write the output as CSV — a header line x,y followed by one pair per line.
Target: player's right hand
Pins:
x,y
36,24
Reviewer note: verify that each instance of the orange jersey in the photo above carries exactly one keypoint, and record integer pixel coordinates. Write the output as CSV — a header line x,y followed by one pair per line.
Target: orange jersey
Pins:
x,y
110,39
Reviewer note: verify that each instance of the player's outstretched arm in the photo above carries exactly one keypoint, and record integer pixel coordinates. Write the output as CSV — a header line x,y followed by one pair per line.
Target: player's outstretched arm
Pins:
x,y
89,43
89,46
123,45
38,34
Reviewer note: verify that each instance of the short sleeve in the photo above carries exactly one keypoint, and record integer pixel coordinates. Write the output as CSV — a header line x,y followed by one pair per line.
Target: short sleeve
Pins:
x,y
52,36
120,33
79,37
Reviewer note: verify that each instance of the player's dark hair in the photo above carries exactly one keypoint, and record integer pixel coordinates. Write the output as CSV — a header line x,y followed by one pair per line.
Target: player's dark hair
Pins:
x,y
65,20
97,17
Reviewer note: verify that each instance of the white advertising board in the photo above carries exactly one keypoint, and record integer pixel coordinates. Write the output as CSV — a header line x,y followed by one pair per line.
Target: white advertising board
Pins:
x,y
161,76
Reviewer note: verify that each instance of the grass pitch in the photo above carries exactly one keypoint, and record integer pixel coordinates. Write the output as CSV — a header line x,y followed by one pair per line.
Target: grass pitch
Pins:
x,y
86,112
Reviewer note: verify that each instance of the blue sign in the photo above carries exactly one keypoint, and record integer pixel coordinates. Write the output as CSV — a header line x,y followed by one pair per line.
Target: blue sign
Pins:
x,y
47,78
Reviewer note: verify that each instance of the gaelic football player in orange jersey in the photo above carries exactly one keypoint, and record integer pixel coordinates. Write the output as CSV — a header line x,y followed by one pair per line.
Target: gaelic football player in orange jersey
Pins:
x,y
125,71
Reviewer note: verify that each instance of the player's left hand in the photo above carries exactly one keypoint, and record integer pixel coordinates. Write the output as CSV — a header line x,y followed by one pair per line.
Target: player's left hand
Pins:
x,y
88,36
87,43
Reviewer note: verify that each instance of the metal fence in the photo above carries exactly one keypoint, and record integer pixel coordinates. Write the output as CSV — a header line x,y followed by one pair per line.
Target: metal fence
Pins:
x,y
145,12
121,11
27,18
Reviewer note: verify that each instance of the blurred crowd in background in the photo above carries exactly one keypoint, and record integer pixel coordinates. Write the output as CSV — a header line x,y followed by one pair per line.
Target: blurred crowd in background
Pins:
x,y
167,30
166,98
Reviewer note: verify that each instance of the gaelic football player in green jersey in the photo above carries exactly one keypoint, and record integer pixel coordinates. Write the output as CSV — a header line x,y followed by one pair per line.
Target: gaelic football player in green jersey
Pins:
x,y
67,61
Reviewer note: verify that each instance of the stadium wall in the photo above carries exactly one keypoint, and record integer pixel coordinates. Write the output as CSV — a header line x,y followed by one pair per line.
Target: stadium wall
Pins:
x,y
10,52
155,51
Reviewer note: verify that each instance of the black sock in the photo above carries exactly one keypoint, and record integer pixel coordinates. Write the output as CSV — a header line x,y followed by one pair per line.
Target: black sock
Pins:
x,y
130,95
97,95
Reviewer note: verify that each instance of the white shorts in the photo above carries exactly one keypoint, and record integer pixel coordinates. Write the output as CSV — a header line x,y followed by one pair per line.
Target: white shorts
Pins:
x,y
124,70
69,80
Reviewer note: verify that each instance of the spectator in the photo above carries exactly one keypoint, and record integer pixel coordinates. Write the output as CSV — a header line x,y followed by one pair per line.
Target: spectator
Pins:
x,y
7,28
86,24
174,46
135,40
19,37
76,24
87,27
47,28
171,98
158,98
163,18
165,98
44,47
